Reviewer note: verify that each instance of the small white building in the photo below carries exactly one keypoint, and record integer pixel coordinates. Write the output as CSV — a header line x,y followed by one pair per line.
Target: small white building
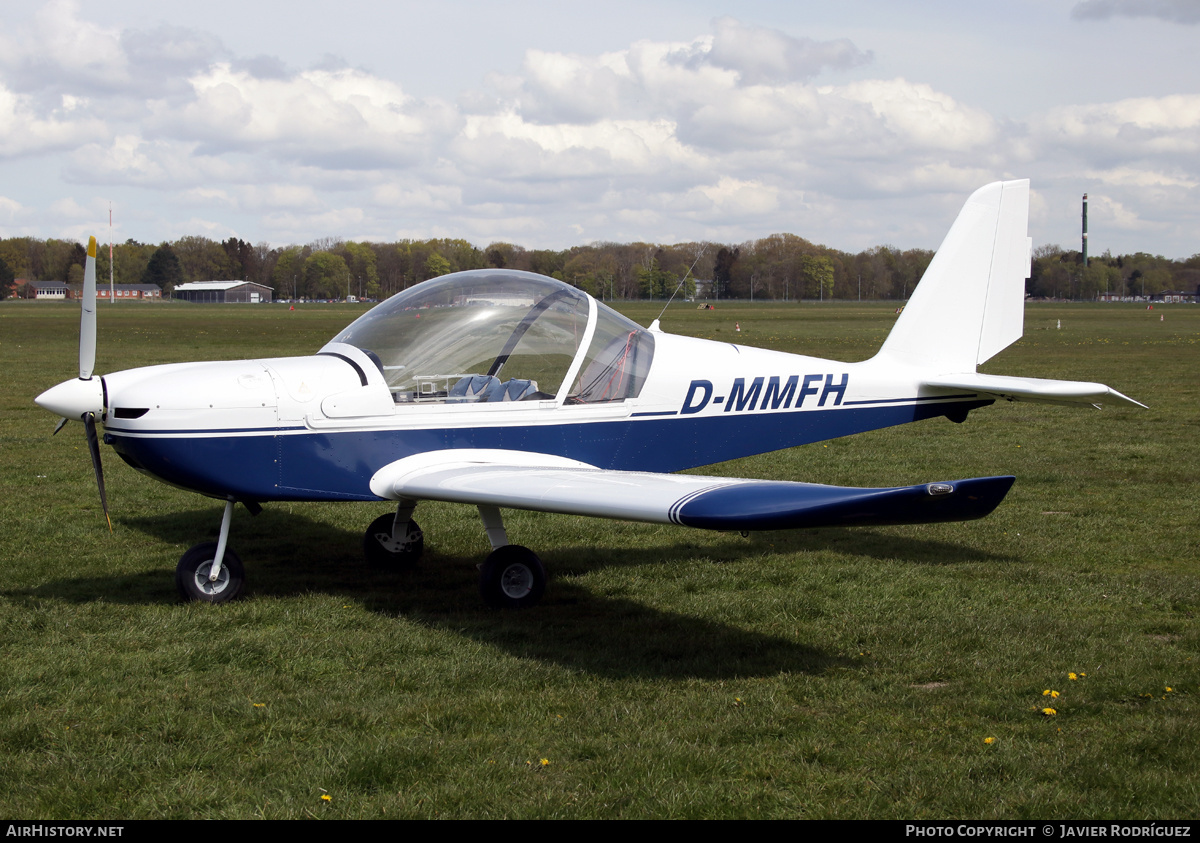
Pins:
x,y
52,290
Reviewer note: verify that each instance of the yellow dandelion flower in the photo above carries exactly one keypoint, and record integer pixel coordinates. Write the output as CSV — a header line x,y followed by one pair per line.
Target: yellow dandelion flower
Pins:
x,y
1169,689
260,705
325,797
989,740
545,762
1072,676
1046,692
1049,712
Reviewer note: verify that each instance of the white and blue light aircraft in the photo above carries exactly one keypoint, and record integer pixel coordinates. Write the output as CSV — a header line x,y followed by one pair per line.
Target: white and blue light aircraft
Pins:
x,y
506,389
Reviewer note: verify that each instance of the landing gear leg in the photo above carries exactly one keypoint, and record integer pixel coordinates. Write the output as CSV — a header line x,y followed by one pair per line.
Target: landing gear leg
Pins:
x,y
211,572
512,577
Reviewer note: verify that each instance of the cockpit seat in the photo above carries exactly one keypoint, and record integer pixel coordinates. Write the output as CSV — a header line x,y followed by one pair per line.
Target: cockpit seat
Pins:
x,y
514,390
472,388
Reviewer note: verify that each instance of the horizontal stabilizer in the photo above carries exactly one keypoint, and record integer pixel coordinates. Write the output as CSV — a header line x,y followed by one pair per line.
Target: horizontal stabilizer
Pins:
x,y
522,480
1034,389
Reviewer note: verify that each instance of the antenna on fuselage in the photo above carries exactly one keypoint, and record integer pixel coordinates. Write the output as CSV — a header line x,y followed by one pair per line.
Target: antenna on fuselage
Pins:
x,y
654,326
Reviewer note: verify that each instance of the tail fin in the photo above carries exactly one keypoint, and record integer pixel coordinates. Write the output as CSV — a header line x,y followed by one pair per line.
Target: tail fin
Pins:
x,y
970,303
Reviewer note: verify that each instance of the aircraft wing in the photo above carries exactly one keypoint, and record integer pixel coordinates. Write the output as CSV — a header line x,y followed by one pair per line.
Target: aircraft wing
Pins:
x,y
1034,389
523,480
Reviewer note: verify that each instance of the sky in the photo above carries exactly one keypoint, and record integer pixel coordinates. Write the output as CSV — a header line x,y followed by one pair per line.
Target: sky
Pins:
x,y
552,124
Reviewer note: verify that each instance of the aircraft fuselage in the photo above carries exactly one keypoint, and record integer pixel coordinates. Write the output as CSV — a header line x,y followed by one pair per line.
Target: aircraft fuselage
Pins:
x,y
319,427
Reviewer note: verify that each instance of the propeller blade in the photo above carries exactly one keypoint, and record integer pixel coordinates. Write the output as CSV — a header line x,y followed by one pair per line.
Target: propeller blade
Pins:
x,y
89,424
59,426
87,319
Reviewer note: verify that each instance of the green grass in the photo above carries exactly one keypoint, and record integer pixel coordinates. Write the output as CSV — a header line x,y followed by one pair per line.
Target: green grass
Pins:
x,y
669,672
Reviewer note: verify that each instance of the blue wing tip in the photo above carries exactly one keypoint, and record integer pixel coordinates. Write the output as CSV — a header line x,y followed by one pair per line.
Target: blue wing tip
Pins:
x,y
771,505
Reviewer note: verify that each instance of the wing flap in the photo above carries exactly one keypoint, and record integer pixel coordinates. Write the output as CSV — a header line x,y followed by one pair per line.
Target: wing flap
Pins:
x,y
1034,389
521,480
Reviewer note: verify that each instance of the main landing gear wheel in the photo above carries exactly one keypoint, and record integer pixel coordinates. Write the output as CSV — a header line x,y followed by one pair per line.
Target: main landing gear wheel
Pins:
x,y
382,551
195,566
512,577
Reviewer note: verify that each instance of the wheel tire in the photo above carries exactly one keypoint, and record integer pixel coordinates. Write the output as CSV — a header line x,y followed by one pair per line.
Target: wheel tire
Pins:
x,y
378,555
191,575
512,577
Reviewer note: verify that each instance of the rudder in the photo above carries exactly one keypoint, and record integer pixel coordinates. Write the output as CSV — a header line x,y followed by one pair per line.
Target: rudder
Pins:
x,y
969,304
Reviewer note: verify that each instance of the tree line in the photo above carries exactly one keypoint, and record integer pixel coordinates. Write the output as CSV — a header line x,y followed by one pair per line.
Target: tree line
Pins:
x,y
778,267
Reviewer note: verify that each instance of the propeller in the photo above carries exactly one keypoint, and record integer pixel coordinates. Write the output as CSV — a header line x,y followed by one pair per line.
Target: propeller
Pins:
x,y
84,398
89,426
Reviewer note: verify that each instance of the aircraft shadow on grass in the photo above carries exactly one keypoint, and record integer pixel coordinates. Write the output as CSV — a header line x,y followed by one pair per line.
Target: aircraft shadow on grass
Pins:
x,y
636,639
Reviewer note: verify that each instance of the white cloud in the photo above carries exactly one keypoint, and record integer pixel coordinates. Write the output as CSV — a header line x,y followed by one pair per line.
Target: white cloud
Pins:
x,y
1165,128
1172,11
170,50
199,226
918,116
508,146
59,50
1106,210
295,227
58,47
734,197
736,132
23,131
338,119
11,211
129,159
70,208
767,56
1142,178
407,198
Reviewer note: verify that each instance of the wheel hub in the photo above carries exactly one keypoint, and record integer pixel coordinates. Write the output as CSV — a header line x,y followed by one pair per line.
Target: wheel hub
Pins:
x,y
207,586
516,581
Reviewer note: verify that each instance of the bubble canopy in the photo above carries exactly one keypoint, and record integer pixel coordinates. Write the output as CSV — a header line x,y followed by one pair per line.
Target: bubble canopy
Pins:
x,y
502,335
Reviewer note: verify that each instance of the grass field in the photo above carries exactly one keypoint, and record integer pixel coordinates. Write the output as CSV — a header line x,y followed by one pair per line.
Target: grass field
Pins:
x,y
885,672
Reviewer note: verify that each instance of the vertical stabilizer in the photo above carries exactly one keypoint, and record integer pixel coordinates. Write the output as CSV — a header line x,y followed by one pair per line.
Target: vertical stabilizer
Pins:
x,y
970,302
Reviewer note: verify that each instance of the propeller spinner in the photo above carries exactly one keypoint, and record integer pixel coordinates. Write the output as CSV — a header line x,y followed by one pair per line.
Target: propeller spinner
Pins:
x,y
84,398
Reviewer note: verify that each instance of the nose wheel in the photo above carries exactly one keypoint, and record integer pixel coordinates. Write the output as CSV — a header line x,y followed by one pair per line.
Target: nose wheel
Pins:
x,y
193,575
211,572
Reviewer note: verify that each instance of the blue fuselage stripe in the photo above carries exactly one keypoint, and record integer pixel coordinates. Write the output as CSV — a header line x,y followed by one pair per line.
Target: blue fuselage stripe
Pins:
x,y
919,398
338,465
191,431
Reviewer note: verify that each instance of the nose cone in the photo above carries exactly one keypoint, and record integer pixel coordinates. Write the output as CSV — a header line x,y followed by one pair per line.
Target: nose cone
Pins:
x,y
74,398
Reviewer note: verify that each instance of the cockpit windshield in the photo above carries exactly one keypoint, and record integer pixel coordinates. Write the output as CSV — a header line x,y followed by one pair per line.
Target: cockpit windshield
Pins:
x,y
501,335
